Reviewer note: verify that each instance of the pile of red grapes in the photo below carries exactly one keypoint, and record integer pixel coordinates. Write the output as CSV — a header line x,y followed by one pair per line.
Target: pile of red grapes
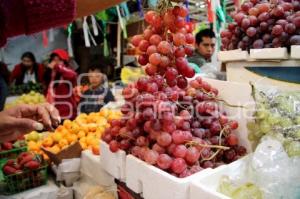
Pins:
x,y
175,125
263,24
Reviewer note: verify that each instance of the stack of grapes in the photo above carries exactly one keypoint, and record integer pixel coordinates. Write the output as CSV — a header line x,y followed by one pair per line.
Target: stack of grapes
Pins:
x,y
263,24
170,123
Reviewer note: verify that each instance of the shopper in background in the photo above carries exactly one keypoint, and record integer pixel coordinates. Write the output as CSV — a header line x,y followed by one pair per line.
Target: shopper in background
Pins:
x,y
205,47
4,80
61,79
98,93
27,71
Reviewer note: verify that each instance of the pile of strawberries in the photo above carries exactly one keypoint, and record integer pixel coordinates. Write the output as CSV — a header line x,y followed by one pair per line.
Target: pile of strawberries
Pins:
x,y
25,161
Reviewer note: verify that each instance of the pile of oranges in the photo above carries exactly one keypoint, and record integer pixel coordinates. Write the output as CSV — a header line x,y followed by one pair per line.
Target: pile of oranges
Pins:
x,y
87,129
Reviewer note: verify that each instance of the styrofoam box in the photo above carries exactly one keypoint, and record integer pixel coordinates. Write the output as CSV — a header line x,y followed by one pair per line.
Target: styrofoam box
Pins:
x,y
91,167
154,183
113,163
233,55
206,187
269,53
295,52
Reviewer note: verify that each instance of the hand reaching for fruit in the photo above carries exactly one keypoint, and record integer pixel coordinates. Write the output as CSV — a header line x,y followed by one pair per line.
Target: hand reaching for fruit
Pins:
x,y
25,118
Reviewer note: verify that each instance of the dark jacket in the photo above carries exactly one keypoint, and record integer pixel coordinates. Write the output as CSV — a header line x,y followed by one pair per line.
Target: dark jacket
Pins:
x,y
94,99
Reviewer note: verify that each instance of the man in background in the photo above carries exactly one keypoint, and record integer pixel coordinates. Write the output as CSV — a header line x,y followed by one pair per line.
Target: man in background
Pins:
x,y
205,47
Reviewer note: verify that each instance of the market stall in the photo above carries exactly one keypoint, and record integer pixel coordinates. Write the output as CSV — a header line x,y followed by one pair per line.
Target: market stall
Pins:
x,y
170,130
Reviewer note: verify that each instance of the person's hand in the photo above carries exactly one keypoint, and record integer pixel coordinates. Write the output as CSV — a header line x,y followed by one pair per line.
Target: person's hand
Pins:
x,y
26,118
51,64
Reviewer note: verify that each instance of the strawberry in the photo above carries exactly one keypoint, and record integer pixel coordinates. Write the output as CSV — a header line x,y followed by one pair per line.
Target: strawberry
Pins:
x,y
10,162
25,159
7,146
8,170
32,165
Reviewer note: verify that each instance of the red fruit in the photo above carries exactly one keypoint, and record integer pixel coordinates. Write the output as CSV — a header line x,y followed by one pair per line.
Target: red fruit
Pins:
x,y
143,45
114,146
189,50
155,39
136,39
25,159
7,146
8,170
32,165
232,139
234,125
10,162
178,165
143,59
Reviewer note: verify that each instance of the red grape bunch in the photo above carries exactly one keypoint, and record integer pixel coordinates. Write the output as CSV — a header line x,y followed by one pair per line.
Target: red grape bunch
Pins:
x,y
175,125
263,24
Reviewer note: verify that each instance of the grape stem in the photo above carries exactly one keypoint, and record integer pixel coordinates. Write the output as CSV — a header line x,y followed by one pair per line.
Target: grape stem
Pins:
x,y
221,100
193,143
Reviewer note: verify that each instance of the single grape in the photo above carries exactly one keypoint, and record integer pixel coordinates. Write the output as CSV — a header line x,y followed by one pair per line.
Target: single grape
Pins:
x,y
164,47
179,22
180,151
208,164
192,155
113,146
239,17
141,141
253,11
245,23
179,39
258,44
143,45
155,59
190,39
232,139
147,34
277,30
189,50
183,12
251,32
143,59
182,82
164,61
180,52
149,16
136,39
178,165
151,157
263,16
295,40
164,161
246,6
151,69
290,28
164,139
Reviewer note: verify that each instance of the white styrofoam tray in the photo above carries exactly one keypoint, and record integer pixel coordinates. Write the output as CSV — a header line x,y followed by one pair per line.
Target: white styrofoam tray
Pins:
x,y
154,183
113,163
207,186
233,55
269,53
295,52
91,166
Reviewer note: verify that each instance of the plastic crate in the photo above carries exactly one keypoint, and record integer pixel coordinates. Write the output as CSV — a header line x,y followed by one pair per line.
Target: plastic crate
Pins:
x,y
13,153
29,179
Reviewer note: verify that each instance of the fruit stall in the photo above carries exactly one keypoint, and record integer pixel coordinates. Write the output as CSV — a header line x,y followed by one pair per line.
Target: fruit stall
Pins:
x,y
172,132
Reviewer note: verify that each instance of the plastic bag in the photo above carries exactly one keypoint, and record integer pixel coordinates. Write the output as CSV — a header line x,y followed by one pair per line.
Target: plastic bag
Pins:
x,y
277,114
269,174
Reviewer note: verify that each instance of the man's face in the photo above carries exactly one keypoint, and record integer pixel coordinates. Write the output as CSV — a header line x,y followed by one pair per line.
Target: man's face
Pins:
x,y
207,47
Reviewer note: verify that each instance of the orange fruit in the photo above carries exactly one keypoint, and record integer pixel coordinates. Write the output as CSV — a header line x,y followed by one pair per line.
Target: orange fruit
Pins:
x,y
92,127
55,149
81,134
33,146
56,137
47,142
63,143
96,150
45,157
75,128
67,124
83,139
71,138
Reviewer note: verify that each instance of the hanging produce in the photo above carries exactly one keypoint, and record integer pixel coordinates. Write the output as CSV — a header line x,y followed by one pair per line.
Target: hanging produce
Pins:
x,y
168,122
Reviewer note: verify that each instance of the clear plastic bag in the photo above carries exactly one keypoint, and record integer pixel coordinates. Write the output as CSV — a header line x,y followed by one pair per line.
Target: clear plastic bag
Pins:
x,y
269,174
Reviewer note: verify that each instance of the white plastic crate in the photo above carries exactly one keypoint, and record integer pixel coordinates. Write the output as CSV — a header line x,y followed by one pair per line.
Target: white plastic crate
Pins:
x,y
113,163
295,52
154,183
206,187
233,55
89,162
269,53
